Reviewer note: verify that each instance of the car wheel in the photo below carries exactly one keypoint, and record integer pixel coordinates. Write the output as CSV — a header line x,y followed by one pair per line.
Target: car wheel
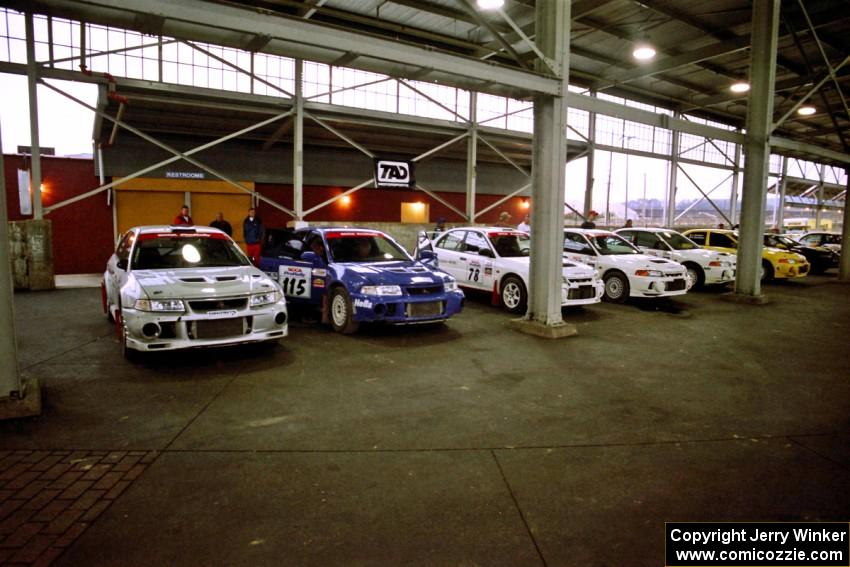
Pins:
x,y
694,276
616,287
766,271
514,295
342,312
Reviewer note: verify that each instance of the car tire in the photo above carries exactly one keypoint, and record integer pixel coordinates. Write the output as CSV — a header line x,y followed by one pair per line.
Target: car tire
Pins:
x,y
767,272
616,287
695,276
513,294
341,312
104,300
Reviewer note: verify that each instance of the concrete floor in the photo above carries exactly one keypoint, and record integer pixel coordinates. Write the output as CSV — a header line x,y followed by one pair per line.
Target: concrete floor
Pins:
x,y
466,444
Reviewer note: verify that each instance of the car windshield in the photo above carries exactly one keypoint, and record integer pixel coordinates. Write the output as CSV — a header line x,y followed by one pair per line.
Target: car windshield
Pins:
x,y
610,244
780,241
510,244
163,252
363,247
832,239
678,241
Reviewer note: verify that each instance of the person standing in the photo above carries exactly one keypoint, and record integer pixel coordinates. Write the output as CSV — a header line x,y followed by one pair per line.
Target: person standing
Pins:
x,y
252,229
183,218
222,224
525,225
504,219
590,221
441,225
629,224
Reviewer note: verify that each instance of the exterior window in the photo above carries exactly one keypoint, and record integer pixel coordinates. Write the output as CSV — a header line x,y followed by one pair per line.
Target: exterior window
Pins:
x,y
452,241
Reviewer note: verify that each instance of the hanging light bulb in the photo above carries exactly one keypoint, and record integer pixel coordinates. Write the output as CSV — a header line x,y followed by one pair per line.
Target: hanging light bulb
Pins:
x,y
643,52
490,4
739,87
806,110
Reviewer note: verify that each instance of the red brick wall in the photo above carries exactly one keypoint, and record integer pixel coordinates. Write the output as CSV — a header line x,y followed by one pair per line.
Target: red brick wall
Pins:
x,y
82,231
379,205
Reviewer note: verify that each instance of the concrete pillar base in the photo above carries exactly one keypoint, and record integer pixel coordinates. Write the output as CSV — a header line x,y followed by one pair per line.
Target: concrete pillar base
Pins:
x,y
734,297
28,405
561,330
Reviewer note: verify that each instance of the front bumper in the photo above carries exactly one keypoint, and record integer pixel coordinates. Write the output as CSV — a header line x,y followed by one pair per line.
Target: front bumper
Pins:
x,y
718,275
789,271
664,286
406,309
149,331
582,292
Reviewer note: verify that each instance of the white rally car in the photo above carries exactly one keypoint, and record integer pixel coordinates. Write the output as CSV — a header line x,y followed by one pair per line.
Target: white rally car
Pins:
x,y
705,267
626,271
497,259
173,287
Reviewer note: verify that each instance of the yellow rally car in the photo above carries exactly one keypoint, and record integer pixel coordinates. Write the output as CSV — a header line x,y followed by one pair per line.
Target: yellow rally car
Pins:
x,y
775,263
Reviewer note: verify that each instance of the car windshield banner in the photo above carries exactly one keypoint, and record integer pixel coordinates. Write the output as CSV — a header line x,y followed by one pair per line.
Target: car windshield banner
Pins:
x,y
394,174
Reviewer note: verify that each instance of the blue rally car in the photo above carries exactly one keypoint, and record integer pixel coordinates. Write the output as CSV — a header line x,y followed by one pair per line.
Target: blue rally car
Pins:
x,y
357,275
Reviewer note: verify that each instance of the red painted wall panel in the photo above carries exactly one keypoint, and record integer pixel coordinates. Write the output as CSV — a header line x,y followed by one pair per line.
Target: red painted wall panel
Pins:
x,y
82,231
380,205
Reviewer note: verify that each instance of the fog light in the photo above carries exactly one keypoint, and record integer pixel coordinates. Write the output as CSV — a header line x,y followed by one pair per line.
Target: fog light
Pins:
x,y
380,310
280,318
151,330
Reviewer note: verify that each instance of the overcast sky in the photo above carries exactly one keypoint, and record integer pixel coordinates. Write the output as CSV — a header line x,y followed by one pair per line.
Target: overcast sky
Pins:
x,y
63,124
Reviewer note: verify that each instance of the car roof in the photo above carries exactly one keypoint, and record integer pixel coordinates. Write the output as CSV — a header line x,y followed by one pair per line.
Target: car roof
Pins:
x,y
487,229
647,229
592,231
154,229
324,229
716,230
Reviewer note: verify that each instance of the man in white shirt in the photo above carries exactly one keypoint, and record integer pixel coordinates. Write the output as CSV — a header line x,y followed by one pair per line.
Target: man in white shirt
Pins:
x,y
525,225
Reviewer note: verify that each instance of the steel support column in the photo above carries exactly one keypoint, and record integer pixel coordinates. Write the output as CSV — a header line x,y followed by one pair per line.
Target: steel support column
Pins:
x,y
35,151
10,380
736,182
844,267
472,157
765,24
548,170
591,158
783,186
670,216
298,145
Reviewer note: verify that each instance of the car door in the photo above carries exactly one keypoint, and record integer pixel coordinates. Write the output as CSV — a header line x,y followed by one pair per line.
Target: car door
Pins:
x,y
118,266
449,248
478,271
576,247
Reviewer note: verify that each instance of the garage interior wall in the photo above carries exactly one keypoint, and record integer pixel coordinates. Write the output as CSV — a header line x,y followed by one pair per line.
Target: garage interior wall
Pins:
x,y
82,232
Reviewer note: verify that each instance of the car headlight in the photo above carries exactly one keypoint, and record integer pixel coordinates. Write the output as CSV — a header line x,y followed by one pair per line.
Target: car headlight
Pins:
x,y
160,305
649,273
393,290
450,285
265,298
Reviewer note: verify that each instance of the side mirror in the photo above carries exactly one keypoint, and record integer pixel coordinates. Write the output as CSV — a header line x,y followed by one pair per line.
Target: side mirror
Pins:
x,y
486,252
312,257
122,264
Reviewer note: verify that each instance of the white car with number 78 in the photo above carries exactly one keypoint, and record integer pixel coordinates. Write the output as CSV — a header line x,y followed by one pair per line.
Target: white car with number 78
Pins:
x,y
497,259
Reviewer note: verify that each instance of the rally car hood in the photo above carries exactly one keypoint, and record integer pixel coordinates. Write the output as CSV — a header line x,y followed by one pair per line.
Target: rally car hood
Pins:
x,y
571,268
201,282
639,262
390,273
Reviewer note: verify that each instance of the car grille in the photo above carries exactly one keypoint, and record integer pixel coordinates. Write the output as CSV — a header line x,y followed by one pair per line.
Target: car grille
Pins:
x,y
424,309
804,268
424,290
219,328
582,292
207,305
676,285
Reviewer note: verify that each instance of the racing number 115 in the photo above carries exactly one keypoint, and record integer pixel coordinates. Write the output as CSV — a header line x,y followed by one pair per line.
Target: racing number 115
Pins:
x,y
294,286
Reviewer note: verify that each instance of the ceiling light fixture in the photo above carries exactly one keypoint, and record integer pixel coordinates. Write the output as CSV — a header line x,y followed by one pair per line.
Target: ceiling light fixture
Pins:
x,y
490,4
739,87
806,110
643,52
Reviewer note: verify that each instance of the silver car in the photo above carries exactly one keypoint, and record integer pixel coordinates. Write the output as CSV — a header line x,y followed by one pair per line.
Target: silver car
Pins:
x,y
174,287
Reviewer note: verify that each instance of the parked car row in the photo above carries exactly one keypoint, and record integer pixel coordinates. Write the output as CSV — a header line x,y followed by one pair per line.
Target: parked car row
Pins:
x,y
173,287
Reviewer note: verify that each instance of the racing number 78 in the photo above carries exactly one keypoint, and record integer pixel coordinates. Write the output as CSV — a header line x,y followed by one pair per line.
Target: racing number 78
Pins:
x,y
474,274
